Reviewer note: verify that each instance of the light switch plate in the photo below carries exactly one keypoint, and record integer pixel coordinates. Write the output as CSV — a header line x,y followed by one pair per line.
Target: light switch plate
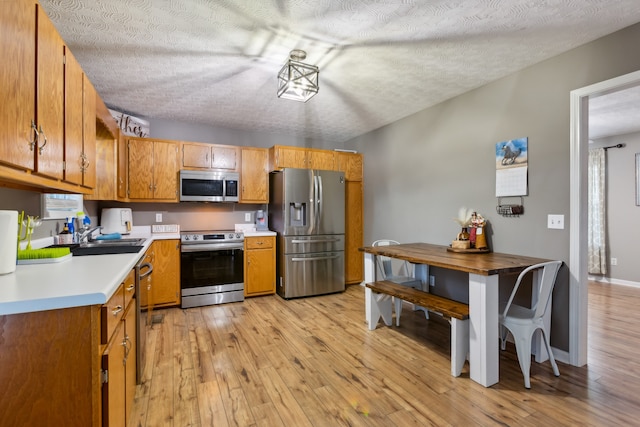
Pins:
x,y
555,221
158,217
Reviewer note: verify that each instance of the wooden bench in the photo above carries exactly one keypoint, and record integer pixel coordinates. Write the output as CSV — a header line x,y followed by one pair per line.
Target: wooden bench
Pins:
x,y
378,303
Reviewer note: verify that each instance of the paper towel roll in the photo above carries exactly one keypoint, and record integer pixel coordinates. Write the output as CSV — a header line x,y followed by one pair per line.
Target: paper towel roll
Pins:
x,y
8,241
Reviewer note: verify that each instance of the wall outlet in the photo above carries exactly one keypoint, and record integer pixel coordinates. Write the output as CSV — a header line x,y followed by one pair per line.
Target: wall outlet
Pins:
x,y
555,221
614,261
247,216
432,280
158,217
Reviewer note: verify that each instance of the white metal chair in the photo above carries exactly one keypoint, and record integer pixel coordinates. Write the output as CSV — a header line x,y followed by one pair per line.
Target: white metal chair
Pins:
x,y
522,322
396,271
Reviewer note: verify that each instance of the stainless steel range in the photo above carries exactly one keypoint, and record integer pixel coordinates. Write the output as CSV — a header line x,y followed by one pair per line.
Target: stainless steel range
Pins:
x,y
211,267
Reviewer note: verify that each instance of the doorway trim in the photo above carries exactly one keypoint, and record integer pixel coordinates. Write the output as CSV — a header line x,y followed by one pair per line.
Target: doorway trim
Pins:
x,y
578,199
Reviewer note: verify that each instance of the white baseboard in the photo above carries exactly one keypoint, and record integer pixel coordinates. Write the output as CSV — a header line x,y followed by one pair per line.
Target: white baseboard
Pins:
x,y
613,281
561,355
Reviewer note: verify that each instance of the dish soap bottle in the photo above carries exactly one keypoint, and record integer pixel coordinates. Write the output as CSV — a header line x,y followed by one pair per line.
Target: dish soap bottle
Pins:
x,y
65,236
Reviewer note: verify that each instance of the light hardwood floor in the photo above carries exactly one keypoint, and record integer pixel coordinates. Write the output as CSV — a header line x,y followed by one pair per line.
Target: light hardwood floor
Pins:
x,y
313,362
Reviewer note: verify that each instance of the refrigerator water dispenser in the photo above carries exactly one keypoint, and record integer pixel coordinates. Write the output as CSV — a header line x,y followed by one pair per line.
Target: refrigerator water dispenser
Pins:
x,y
297,214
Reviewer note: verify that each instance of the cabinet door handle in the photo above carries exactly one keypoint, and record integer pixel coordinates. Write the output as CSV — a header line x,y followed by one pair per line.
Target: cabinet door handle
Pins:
x,y
131,288
127,348
41,148
33,142
116,310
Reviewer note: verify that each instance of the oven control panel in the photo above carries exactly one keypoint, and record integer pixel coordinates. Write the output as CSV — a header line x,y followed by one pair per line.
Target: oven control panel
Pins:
x,y
211,237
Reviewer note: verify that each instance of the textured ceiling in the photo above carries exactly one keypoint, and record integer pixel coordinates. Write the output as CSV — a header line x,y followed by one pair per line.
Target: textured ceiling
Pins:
x,y
215,62
616,113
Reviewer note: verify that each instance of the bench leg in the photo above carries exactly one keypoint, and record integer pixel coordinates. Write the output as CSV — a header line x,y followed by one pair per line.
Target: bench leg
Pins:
x,y
398,306
376,306
459,345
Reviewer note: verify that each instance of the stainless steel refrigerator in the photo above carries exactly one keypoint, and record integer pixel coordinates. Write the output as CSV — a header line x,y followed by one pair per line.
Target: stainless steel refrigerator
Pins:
x,y
306,209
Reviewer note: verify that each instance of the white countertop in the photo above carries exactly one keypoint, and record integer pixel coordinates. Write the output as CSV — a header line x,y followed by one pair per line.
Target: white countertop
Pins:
x,y
78,281
259,233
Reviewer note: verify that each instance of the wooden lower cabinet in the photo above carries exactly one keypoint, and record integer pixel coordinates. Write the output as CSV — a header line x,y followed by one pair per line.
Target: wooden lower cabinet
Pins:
x,y
259,266
119,371
70,367
50,368
114,375
165,257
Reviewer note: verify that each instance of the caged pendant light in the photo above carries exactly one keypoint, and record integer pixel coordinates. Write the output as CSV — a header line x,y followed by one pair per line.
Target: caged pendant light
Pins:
x,y
296,80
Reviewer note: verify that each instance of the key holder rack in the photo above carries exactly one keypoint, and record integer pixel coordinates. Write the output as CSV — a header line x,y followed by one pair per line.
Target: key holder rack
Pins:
x,y
510,210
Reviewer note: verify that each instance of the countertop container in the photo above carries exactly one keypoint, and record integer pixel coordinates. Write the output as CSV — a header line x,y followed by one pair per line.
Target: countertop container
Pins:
x,y
8,241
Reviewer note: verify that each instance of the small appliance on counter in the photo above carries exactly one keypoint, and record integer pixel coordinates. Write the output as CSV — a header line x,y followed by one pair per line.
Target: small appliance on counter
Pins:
x,y
261,221
116,220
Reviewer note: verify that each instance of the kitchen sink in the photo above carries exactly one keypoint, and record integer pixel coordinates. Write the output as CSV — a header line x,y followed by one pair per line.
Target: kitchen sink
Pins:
x,y
114,242
104,247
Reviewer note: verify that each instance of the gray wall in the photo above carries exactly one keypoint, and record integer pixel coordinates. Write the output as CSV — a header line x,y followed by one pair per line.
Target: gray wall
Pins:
x,y
622,212
174,130
420,170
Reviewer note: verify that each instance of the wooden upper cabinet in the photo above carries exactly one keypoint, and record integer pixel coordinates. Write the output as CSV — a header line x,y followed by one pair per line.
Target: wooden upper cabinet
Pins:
x,y
50,98
32,90
303,158
17,83
153,169
351,165
73,126
254,177
88,158
287,157
80,125
209,156
322,160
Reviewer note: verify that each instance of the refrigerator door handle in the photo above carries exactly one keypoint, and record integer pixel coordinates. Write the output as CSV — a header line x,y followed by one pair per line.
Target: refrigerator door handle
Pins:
x,y
319,201
315,241
313,190
315,258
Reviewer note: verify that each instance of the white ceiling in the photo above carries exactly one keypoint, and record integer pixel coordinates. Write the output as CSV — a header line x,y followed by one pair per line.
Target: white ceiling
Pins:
x,y
215,62
617,113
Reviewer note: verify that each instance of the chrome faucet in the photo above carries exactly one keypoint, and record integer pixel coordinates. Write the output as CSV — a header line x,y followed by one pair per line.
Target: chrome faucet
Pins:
x,y
86,234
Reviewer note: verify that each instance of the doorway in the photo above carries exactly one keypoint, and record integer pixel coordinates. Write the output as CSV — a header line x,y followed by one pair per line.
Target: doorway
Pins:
x,y
579,146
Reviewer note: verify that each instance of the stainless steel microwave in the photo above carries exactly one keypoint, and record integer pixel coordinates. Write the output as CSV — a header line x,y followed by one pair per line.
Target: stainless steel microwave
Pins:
x,y
209,186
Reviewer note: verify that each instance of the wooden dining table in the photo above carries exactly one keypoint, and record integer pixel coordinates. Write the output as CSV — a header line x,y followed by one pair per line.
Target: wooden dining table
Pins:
x,y
484,270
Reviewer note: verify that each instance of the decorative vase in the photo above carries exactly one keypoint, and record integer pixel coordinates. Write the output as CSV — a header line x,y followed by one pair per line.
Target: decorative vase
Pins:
x,y
463,235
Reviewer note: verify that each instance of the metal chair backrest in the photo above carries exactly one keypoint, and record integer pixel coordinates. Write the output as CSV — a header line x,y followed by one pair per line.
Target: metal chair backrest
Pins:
x,y
547,282
384,263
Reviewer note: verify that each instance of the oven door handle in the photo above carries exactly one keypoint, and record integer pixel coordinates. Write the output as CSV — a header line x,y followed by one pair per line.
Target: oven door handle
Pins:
x,y
210,247
148,265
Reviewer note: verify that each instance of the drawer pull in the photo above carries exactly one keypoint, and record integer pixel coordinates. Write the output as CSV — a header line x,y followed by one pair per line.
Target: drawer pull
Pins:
x,y
116,310
131,288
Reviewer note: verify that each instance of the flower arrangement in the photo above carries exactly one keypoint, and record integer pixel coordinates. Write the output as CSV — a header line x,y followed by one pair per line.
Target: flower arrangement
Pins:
x,y
469,218
464,217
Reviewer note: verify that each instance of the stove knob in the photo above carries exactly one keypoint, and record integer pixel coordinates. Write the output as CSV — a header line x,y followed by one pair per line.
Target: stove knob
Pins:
x,y
237,235
185,237
230,236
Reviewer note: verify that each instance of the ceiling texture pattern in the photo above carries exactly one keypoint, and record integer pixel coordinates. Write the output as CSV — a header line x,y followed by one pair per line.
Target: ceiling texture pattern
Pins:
x,y
215,62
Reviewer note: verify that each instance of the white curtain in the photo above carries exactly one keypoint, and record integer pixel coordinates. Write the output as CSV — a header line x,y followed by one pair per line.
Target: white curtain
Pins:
x,y
597,260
